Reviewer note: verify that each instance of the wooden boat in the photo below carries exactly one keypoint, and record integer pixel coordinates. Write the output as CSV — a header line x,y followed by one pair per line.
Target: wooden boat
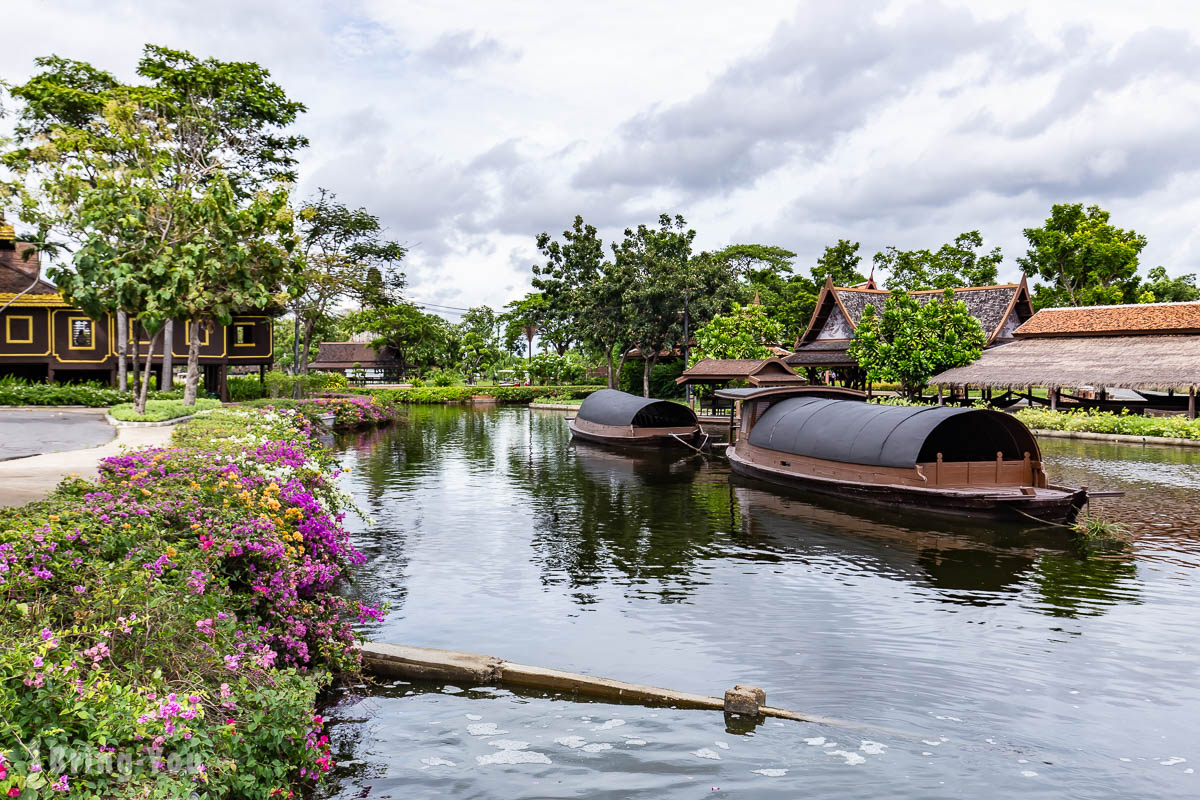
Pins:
x,y
625,420
962,461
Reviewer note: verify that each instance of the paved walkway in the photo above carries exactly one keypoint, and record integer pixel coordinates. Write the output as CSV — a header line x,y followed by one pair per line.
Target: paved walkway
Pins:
x,y
24,480
29,431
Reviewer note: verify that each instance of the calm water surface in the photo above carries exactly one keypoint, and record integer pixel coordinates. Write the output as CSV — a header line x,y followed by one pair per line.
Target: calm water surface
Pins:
x,y
988,662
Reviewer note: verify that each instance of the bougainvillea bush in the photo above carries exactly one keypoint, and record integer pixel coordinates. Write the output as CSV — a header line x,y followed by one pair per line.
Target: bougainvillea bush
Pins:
x,y
354,412
165,631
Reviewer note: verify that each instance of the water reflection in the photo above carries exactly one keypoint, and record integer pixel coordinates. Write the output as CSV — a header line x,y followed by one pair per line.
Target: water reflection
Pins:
x,y
496,533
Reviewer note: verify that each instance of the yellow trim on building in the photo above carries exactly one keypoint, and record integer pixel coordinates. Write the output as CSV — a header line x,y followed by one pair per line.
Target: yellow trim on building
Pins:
x,y
54,348
30,300
8,334
91,332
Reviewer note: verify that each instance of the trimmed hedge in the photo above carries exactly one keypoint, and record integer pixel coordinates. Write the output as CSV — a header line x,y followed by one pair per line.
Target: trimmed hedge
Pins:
x,y
166,631
432,395
161,410
1175,427
16,392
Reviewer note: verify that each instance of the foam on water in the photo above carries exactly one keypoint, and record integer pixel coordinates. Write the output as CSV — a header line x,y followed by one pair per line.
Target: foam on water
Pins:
x,y
770,773
815,741
872,748
608,726
571,741
596,747
434,761
851,758
705,752
484,729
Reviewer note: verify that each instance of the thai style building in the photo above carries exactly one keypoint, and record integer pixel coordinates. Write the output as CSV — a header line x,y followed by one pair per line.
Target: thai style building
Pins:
x,y
1088,357
824,344
44,338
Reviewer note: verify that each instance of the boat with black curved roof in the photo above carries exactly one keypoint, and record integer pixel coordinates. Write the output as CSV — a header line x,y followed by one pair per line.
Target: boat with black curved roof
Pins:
x,y
962,461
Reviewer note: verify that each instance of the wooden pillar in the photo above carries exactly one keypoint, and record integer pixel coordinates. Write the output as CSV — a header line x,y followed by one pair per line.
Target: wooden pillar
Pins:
x,y
262,374
1054,399
940,401
223,383
1191,402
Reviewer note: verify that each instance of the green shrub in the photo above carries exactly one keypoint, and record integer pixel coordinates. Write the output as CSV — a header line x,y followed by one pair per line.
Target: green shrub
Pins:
x,y
662,378
18,392
416,383
161,410
1091,421
246,387
430,395
442,379
324,381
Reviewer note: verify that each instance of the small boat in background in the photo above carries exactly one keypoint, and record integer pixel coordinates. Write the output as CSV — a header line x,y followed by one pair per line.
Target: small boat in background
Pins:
x,y
963,461
625,420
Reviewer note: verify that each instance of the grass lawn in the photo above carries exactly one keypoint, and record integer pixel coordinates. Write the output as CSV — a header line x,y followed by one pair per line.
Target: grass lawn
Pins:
x,y
161,410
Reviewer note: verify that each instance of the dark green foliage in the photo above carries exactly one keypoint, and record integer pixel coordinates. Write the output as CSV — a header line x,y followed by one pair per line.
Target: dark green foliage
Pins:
x,y
17,392
951,266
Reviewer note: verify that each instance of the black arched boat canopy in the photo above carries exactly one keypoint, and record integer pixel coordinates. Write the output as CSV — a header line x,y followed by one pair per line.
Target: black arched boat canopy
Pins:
x,y
890,436
610,407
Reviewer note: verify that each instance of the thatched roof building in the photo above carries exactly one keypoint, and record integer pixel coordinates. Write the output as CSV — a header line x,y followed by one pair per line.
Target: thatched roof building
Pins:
x,y
353,355
999,309
1146,347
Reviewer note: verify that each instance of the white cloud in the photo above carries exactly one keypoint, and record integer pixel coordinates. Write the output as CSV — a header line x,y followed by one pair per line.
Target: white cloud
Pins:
x,y
470,127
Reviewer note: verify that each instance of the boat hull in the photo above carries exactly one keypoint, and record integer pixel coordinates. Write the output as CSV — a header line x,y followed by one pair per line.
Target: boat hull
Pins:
x,y
624,437
1053,505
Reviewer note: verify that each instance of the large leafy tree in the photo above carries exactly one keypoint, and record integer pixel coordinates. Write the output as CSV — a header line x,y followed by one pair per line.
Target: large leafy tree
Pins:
x,y
1086,259
480,341
1159,287
955,264
663,278
403,329
911,341
745,332
344,255
767,271
839,261
219,156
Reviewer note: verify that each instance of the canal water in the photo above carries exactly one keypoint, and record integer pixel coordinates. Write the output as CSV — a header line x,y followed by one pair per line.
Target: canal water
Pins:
x,y
980,661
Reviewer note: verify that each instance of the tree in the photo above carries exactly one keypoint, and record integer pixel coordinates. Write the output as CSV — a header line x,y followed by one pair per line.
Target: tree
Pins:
x,y
210,186
840,262
343,255
401,328
1087,260
662,278
1161,288
744,332
479,341
912,341
951,266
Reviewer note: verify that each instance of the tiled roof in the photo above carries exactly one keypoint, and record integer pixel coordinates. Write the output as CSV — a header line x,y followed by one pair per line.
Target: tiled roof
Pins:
x,y
821,353
987,304
1145,318
17,272
340,355
756,370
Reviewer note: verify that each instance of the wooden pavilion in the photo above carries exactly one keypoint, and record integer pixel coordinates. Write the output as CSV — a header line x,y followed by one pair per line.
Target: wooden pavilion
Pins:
x,y
720,372
824,343
1152,349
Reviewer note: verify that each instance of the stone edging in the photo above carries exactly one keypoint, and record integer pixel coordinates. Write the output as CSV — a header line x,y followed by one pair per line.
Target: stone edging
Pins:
x,y
554,406
117,423
1119,438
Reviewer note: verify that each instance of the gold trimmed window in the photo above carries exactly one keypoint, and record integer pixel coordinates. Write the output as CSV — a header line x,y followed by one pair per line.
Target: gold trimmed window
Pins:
x,y
243,334
191,329
83,333
18,329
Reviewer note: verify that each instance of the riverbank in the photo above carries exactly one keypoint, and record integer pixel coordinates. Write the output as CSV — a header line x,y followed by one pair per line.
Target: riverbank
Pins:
x,y
178,617
523,395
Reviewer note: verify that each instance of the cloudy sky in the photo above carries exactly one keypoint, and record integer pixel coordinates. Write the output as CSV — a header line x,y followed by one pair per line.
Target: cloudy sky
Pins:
x,y
469,127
